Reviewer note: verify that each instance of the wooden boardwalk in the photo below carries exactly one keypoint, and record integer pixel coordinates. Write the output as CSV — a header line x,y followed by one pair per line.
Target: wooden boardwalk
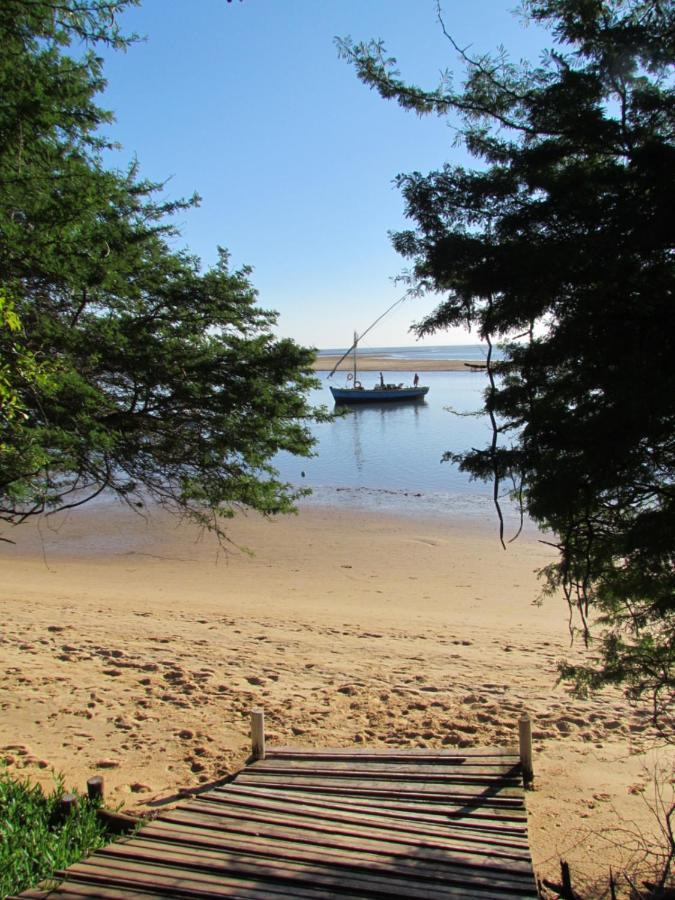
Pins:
x,y
322,824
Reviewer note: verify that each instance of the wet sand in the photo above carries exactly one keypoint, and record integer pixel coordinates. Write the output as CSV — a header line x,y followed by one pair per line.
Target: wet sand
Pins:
x,y
135,648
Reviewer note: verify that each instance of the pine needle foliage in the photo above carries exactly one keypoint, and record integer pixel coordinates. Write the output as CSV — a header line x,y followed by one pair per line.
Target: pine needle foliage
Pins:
x,y
560,244
156,378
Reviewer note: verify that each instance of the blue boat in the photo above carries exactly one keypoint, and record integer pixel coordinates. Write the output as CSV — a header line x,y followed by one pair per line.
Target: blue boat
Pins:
x,y
354,392
377,394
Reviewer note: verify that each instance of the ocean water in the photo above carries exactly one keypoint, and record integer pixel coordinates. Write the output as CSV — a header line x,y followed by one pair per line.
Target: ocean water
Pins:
x,y
419,351
389,456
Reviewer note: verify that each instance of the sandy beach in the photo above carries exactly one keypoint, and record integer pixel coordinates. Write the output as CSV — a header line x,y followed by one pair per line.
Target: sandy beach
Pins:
x,y
388,364
135,648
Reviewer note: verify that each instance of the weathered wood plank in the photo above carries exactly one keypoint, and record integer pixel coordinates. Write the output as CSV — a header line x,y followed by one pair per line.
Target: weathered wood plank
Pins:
x,y
488,764
394,753
426,791
336,823
511,820
427,866
136,879
195,882
510,787
310,835
34,893
414,763
507,775
408,831
342,879
73,890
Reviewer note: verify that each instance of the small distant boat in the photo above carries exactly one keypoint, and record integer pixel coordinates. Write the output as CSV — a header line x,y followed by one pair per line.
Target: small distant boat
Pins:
x,y
354,392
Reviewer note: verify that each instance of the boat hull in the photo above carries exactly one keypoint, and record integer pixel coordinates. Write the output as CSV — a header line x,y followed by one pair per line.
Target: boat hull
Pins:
x,y
379,395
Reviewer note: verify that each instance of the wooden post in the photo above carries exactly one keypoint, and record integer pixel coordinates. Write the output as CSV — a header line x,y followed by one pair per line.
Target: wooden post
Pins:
x,y
95,787
258,734
67,804
525,741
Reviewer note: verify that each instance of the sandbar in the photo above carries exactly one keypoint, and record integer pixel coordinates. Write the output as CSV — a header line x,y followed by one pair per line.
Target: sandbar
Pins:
x,y
387,364
135,647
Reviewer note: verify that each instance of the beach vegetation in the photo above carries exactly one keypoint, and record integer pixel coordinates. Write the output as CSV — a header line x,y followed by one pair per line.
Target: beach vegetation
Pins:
x,y
557,242
124,365
35,839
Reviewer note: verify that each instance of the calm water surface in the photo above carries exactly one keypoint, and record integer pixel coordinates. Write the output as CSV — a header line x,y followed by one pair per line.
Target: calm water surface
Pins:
x,y
388,456
420,351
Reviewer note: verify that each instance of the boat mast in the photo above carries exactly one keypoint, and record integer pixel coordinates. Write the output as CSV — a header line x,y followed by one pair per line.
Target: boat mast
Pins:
x,y
358,337
356,341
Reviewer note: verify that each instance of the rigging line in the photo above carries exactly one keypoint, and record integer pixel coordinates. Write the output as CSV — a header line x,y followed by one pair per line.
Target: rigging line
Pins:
x,y
369,328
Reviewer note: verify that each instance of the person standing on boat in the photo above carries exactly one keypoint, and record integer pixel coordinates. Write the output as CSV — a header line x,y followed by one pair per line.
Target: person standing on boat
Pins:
x,y
416,380
381,380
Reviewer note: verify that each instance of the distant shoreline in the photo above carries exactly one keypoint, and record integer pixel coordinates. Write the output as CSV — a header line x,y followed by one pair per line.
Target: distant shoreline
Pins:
x,y
388,364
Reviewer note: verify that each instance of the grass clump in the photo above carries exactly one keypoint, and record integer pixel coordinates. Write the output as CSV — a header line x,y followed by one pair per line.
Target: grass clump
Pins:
x,y
34,840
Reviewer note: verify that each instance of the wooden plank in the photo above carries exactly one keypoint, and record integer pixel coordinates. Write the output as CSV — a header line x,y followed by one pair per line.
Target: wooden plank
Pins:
x,y
425,808
376,779
430,759
223,885
394,753
381,770
340,822
294,837
388,881
411,830
346,858
479,765
123,871
29,892
499,775
137,879
407,807
36,893
332,835
470,794
73,890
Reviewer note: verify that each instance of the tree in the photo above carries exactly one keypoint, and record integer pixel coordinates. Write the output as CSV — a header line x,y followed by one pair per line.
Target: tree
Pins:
x,y
123,366
559,243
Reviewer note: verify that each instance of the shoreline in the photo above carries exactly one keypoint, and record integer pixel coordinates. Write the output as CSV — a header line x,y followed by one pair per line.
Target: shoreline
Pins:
x,y
136,647
404,364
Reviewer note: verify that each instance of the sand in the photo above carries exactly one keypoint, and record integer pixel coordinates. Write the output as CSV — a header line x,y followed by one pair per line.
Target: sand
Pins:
x,y
387,364
135,648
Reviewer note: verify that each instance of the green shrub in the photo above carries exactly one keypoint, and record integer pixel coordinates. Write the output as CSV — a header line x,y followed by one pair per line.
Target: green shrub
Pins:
x,y
33,842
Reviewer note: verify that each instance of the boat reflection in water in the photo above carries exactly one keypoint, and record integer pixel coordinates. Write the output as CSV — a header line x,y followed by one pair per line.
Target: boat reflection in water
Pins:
x,y
373,429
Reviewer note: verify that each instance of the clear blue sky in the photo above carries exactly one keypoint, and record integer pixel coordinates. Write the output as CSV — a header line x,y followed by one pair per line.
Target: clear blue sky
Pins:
x,y
249,105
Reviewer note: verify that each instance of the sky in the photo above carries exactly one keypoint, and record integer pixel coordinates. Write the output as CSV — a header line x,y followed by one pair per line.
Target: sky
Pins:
x,y
248,104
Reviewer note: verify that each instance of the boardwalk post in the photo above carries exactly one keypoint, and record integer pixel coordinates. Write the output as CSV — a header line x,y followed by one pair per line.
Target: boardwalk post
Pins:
x,y
66,805
258,734
95,787
525,740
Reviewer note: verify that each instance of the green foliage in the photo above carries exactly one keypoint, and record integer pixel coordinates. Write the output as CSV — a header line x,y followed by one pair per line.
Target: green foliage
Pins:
x,y
33,842
9,398
560,244
123,365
